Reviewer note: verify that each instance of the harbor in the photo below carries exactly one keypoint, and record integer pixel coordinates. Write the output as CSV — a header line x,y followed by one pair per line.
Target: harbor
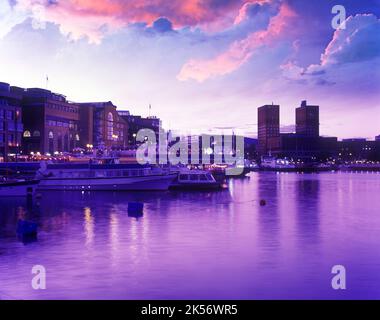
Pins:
x,y
186,155
94,248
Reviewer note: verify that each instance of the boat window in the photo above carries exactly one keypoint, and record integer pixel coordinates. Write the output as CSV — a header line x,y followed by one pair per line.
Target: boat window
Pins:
x,y
183,177
134,173
83,175
100,174
209,177
194,177
203,177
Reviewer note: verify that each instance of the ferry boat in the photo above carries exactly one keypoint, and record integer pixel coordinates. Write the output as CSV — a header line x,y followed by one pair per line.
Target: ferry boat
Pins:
x,y
18,188
194,179
271,163
104,177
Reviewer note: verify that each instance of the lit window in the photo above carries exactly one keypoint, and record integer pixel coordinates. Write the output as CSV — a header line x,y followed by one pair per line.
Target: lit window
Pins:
x,y
27,134
110,133
51,135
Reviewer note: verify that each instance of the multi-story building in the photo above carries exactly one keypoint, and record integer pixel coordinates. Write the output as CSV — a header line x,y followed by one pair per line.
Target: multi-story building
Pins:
x,y
50,122
307,120
11,127
359,149
102,126
269,129
304,147
136,123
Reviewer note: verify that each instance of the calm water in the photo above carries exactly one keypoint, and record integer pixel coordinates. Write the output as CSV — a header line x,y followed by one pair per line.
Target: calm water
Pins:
x,y
214,245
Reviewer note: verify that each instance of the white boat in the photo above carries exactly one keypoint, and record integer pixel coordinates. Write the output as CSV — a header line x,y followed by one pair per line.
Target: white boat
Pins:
x,y
272,163
194,179
18,188
105,177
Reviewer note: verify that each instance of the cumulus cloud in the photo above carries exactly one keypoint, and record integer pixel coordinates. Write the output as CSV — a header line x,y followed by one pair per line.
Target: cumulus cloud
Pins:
x,y
9,17
239,51
359,42
95,18
162,25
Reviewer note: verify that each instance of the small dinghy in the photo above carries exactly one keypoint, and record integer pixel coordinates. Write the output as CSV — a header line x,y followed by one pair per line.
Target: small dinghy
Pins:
x,y
195,180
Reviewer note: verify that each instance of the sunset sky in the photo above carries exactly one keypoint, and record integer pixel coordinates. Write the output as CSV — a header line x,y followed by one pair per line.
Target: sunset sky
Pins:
x,y
202,64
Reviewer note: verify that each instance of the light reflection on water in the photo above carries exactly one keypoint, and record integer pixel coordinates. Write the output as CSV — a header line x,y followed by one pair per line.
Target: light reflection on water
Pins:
x,y
216,245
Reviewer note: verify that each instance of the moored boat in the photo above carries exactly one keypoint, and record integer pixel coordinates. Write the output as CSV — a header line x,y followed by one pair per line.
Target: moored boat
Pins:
x,y
18,188
195,180
103,177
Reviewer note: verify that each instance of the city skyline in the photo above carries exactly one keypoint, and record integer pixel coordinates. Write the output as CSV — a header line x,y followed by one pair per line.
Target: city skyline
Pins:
x,y
197,63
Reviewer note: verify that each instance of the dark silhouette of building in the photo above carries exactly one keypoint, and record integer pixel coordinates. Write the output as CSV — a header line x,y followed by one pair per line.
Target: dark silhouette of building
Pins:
x,y
359,149
136,123
102,126
308,148
11,127
51,123
269,129
305,144
250,148
307,120
377,138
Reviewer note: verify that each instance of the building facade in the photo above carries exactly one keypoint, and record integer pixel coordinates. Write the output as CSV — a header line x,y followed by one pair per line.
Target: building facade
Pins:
x,y
307,120
51,123
269,129
359,149
308,148
136,123
102,126
11,126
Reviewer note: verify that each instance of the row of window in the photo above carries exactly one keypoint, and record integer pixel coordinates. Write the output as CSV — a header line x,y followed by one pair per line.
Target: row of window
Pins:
x,y
107,173
11,126
8,114
63,108
36,134
195,177
64,124
11,138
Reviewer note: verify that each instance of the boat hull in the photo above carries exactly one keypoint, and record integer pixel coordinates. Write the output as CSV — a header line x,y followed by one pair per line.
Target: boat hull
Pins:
x,y
195,186
145,183
18,189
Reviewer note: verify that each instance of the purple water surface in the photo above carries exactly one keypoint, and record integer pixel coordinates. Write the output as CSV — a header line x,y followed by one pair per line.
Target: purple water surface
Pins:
x,y
201,245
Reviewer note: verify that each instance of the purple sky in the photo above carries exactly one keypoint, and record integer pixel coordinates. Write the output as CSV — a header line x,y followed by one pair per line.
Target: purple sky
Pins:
x,y
202,64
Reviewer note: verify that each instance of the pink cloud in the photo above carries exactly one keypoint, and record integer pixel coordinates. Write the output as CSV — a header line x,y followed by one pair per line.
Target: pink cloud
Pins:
x,y
239,51
93,18
243,12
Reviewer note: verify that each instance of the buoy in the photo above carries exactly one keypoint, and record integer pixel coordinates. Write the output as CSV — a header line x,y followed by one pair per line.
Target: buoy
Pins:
x,y
135,207
263,202
27,230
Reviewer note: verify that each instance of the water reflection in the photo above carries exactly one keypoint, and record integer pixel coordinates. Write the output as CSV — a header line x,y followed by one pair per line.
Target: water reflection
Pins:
x,y
88,226
307,191
205,245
